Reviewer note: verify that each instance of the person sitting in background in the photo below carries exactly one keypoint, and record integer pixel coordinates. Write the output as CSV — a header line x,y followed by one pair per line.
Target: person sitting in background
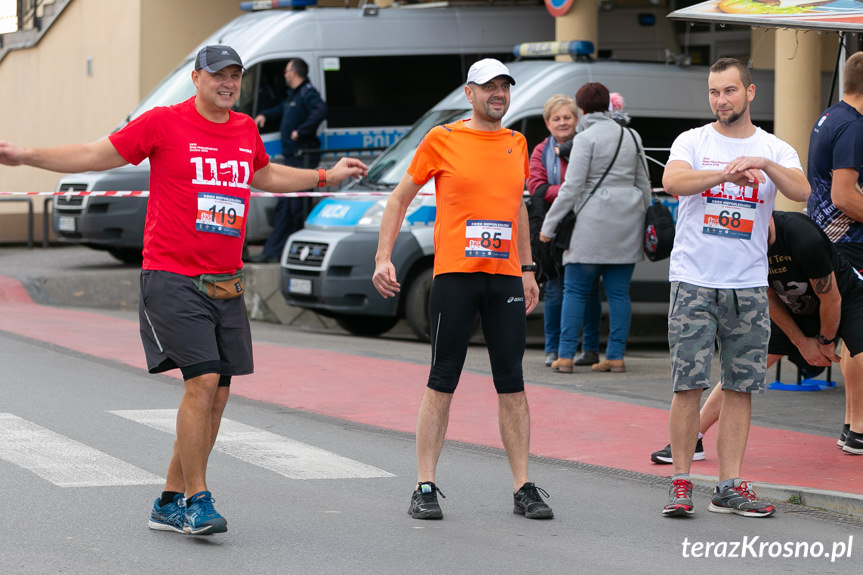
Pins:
x,y
548,164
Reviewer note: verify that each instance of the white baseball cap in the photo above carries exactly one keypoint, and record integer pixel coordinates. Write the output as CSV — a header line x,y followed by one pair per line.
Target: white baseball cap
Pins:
x,y
487,69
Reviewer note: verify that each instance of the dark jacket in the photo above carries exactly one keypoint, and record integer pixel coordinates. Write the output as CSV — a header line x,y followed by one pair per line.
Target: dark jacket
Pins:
x,y
303,110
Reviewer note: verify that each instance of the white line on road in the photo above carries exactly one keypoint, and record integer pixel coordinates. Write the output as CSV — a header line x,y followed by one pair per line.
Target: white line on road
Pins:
x,y
285,456
63,461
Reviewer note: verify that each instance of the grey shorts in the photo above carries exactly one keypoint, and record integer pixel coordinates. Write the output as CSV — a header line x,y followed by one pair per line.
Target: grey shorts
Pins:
x,y
737,319
186,329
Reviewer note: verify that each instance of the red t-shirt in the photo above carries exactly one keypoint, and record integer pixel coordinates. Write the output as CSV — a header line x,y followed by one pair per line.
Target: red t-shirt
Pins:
x,y
200,173
479,183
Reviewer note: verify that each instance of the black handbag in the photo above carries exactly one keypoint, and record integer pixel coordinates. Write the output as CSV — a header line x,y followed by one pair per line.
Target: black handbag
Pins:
x,y
658,223
658,231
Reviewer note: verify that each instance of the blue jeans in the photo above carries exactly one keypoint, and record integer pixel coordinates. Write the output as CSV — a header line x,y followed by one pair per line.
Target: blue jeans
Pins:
x,y
578,281
553,307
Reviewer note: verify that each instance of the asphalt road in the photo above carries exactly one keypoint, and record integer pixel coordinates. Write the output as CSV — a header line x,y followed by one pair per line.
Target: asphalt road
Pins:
x,y
606,521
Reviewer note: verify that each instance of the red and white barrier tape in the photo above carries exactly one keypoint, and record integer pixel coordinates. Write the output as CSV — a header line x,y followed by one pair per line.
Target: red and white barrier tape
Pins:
x,y
145,193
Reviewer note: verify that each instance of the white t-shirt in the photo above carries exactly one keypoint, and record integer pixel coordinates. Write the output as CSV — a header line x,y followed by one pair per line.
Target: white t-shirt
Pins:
x,y
721,236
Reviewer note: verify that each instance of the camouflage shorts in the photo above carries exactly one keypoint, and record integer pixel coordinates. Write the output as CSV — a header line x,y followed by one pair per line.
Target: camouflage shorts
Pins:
x,y
738,319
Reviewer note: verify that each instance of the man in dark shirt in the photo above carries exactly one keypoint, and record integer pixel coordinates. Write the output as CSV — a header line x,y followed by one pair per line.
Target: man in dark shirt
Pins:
x,y
298,117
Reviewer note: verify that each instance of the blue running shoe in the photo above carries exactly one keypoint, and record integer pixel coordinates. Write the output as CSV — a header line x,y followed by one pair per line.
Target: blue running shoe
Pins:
x,y
201,517
169,517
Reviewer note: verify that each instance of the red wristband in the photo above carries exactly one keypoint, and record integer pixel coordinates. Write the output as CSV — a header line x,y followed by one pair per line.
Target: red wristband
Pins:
x,y
322,177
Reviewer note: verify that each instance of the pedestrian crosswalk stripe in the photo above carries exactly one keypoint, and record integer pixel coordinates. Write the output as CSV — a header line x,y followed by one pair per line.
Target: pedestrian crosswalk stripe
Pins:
x,y
63,461
285,456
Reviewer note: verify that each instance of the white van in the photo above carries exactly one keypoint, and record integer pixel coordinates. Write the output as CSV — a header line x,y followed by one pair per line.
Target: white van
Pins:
x,y
378,70
328,265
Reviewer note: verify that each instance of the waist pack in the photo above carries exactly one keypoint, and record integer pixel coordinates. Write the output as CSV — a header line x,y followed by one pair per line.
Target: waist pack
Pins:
x,y
220,286
658,231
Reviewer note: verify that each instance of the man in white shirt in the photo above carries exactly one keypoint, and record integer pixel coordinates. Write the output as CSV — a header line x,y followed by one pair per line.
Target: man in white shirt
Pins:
x,y
726,175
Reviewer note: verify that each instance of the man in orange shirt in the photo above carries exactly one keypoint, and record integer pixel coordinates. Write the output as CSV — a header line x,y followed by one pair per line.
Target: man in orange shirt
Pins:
x,y
481,238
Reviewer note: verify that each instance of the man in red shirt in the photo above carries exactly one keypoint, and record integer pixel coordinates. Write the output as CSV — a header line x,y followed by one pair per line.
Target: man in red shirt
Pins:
x,y
204,158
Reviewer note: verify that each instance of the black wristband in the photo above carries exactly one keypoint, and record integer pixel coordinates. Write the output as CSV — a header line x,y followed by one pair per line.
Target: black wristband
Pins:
x,y
823,340
529,268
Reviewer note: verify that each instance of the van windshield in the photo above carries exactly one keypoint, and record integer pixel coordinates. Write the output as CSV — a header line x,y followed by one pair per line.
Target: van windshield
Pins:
x,y
390,166
176,88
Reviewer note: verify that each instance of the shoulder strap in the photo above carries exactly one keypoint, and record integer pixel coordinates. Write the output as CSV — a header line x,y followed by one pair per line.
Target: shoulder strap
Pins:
x,y
608,169
640,155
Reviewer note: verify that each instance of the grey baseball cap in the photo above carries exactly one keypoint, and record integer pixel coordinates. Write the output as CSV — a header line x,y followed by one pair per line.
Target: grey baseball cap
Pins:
x,y
215,57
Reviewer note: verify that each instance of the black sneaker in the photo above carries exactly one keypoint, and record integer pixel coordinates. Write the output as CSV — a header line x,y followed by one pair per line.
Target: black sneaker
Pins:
x,y
424,503
843,435
664,455
528,502
853,443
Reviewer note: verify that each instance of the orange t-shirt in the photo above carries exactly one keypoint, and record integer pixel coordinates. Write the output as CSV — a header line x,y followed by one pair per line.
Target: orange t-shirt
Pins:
x,y
479,183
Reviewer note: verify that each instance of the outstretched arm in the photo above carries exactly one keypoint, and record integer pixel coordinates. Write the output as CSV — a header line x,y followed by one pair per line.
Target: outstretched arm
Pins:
x,y
280,179
95,156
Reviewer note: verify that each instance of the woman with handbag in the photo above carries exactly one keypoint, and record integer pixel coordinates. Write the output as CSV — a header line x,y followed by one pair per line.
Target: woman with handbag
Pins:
x,y
548,164
607,187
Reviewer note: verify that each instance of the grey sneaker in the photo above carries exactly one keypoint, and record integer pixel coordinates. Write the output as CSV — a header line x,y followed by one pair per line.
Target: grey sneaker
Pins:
x,y
740,500
424,503
528,502
549,358
680,499
586,358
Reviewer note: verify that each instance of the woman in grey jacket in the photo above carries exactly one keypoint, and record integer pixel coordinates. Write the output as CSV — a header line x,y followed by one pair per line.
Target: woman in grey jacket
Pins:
x,y
608,235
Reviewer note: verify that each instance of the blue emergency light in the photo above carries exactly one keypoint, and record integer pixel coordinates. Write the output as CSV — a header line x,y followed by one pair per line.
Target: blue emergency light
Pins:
x,y
256,5
577,49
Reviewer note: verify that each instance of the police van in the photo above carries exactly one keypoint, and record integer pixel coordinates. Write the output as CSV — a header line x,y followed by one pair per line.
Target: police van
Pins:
x,y
378,69
328,265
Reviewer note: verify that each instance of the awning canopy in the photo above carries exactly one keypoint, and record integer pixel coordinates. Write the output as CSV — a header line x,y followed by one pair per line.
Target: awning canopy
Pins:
x,y
840,15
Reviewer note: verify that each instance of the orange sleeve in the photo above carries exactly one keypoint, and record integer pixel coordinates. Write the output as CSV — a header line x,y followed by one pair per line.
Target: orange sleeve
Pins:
x,y
426,160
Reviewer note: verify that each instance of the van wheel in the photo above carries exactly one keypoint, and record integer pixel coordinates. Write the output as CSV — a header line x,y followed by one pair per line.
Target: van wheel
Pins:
x,y
366,325
417,305
127,255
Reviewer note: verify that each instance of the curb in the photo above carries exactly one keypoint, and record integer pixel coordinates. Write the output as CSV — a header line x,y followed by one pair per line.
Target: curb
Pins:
x,y
847,503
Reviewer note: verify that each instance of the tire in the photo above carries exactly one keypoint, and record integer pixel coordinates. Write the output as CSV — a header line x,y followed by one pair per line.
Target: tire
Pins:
x,y
366,325
127,255
417,305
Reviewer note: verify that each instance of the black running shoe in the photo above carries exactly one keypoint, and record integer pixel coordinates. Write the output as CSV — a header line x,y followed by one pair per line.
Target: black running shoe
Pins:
x,y
528,502
843,436
664,455
424,503
853,443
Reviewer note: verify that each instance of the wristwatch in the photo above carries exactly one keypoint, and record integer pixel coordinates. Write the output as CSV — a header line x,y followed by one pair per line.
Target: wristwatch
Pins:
x,y
823,340
529,268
